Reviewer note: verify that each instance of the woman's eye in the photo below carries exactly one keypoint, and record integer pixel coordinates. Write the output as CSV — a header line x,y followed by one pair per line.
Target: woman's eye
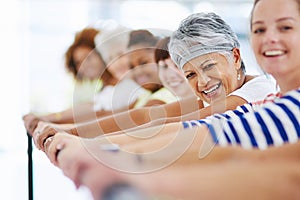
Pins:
x,y
190,75
208,67
258,30
285,28
131,66
163,66
143,63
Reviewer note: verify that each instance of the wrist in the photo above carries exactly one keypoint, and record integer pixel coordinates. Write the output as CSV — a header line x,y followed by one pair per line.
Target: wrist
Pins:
x,y
73,131
57,116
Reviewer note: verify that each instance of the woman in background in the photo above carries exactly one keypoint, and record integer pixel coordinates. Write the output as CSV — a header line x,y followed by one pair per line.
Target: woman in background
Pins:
x,y
169,74
84,64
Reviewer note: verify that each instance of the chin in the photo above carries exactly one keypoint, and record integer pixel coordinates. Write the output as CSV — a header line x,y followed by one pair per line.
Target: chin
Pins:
x,y
151,87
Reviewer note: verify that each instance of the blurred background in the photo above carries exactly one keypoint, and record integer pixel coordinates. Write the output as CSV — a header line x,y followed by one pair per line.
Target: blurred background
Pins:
x,y
34,37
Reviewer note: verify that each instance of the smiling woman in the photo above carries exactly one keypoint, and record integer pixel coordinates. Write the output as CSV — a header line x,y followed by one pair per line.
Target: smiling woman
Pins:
x,y
169,74
210,77
270,40
208,51
141,58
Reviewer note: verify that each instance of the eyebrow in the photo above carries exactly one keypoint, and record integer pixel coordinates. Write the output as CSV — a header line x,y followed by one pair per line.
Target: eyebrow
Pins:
x,y
286,18
202,64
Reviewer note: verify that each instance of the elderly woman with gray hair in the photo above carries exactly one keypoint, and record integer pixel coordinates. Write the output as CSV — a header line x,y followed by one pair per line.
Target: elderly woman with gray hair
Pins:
x,y
208,52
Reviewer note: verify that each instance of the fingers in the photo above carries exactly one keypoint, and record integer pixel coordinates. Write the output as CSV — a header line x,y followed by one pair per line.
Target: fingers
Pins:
x,y
30,122
52,148
47,143
42,133
56,144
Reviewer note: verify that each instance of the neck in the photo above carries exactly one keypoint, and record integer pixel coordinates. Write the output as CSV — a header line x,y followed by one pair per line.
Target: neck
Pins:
x,y
288,83
245,79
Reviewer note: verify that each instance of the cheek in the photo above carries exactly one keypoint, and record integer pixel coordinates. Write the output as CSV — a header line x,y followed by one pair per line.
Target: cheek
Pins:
x,y
255,45
192,83
162,75
112,68
230,83
152,70
170,73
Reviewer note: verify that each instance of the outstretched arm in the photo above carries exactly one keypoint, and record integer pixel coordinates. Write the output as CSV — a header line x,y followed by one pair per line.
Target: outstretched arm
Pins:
x,y
191,179
136,119
78,113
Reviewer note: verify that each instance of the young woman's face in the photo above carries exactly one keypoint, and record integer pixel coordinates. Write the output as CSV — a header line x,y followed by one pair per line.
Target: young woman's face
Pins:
x,y
119,66
211,76
144,69
275,37
88,63
173,79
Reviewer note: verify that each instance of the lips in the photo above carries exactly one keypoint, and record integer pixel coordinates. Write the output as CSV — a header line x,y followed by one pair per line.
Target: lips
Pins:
x,y
212,89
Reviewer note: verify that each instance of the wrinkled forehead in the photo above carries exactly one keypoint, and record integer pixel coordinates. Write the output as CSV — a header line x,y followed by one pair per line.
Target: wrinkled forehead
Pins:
x,y
204,59
198,50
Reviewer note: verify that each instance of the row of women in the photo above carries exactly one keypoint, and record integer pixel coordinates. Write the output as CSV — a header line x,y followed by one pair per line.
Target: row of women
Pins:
x,y
233,137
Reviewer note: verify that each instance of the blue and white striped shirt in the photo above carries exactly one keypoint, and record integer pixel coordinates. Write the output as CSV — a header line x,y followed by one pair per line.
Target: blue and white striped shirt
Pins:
x,y
252,125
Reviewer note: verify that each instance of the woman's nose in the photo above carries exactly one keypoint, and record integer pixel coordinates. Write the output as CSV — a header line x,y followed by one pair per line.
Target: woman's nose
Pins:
x,y
137,69
203,79
271,36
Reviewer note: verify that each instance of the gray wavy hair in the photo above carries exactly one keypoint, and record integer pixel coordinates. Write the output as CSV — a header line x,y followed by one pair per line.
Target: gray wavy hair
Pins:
x,y
199,34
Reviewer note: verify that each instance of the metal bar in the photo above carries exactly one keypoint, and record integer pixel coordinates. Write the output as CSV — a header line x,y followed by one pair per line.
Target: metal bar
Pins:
x,y
30,168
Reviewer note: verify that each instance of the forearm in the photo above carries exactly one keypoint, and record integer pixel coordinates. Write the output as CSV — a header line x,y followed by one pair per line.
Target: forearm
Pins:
x,y
76,114
171,142
279,181
131,119
183,182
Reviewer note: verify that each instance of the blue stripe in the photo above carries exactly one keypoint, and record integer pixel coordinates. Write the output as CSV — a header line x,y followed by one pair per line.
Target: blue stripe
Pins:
x,y
216,116
238,113
249,132
291,117
225,115
193,123
213,133
243,107
292,99
203,122
237,139
185,125
278,124
227,138
265,129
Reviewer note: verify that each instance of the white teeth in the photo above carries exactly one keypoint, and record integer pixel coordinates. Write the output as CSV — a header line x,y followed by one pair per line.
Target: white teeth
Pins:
x,y
274,53
211,89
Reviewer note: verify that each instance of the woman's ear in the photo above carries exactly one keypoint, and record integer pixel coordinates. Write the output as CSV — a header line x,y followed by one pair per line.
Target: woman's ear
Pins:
x,y
237,58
